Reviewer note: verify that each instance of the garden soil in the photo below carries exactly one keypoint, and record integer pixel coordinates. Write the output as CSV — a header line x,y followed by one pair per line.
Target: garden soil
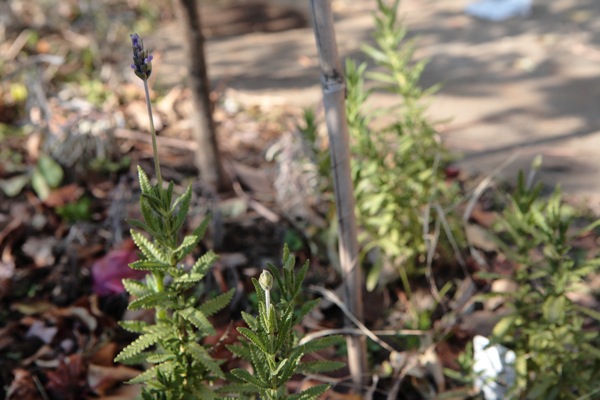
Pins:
x,y
509,91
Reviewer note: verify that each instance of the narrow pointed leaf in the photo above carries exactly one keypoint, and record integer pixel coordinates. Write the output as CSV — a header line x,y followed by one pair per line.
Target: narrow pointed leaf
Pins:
x,y
198,319
136,288
140,344
184,206
200,354
255,339
148,248
133,326
150,265
212,306
245,376
152,300
310,394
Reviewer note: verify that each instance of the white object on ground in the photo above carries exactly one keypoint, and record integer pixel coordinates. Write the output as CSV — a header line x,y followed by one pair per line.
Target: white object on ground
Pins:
x,y
493,367
499,10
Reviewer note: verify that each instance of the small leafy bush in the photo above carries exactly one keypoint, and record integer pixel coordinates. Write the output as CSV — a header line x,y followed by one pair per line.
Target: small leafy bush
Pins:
x,y
555,339
398,157
272,346
181,366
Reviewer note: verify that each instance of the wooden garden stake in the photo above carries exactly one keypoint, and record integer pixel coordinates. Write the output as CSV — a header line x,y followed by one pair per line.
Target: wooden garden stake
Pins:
x,y
334,91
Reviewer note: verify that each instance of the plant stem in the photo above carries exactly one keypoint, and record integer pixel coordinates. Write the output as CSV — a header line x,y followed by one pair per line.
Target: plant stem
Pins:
x,y
153,131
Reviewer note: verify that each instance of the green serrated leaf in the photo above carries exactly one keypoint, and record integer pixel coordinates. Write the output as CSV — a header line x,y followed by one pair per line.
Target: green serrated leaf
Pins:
x,y
256,339
299,279
259,362
189,277
237,389
319,366
323,343
198,319
290,365
152,300
202,356
133,326
311,393
159,358
240,350
306,308
136,288
245,376
148,375
140,344
137,359
212,306
250,320
189,243
184,206
150,217
148,248
203,263
145,185
286,323
149,265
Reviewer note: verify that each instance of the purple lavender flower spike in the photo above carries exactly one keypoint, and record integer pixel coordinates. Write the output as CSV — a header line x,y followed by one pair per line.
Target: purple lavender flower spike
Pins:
x,y
142,60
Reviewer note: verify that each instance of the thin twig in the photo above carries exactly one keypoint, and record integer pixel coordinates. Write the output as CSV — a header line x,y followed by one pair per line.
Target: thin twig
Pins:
x,y
255,205
483,185
329,295
358,331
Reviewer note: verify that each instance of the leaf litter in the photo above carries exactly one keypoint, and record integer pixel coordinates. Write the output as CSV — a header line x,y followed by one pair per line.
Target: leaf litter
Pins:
x,y
62,259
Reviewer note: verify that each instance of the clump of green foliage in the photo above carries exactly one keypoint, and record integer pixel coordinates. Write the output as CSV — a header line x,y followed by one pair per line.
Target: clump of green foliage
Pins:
x,y
555,339
398,157
272,346
183,368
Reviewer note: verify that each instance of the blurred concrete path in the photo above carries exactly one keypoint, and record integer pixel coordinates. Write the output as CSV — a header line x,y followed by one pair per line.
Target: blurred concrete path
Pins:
x,y
520,87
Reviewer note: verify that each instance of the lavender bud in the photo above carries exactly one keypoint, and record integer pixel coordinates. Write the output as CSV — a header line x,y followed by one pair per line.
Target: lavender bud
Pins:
x,y
142,60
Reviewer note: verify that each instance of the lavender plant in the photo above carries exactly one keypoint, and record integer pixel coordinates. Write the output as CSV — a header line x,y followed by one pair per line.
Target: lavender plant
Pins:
x,y
182,368
272,346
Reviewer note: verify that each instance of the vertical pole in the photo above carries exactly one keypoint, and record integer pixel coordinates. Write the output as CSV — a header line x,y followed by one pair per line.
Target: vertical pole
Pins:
x,y
334,93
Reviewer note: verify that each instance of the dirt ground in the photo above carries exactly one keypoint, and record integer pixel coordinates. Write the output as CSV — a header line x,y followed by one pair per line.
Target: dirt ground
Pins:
x,y
511,89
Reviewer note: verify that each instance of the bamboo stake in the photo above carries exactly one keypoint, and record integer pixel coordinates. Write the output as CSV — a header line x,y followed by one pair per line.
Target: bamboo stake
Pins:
x,y
334,93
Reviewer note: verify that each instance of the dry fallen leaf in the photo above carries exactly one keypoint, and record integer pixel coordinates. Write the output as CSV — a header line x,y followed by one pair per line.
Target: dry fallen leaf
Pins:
x,y
22,387
101,378
110,270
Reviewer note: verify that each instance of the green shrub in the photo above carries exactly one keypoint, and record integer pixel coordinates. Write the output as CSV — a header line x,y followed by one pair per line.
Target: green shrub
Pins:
x,y
272,346
398,159
556,346
182,367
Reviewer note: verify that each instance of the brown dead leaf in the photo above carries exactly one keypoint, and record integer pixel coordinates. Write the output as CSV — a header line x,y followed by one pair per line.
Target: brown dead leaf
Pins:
x,y
22,387
69,380
124,392
102,378
109,271
64,195
106,355
482,217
